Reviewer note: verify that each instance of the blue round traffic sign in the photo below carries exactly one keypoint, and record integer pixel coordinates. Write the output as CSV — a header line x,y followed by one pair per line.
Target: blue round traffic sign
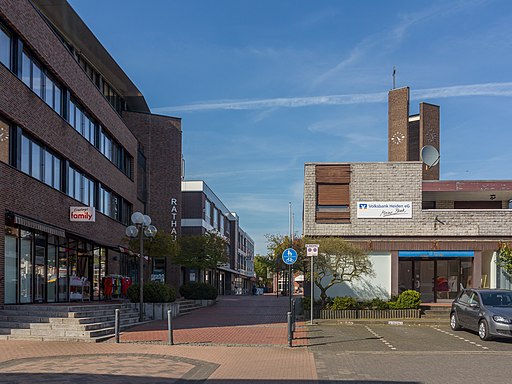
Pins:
x,y
289,256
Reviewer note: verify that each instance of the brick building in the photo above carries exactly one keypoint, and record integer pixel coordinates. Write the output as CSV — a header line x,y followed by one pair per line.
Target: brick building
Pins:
x,y
74,132
420,232
203,212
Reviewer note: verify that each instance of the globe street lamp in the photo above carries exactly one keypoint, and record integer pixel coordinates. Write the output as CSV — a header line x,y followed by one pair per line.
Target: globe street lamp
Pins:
x,y
142,227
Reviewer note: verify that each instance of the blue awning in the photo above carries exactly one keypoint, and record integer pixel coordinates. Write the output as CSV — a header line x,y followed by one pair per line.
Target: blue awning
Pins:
x,y
436,253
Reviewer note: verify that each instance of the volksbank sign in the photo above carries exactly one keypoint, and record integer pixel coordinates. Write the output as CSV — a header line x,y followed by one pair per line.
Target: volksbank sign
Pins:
x,y
384,210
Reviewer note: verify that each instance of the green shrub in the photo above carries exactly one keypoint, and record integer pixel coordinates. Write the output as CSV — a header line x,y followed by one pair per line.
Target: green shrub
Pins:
x,y
198,291
306,302
154,292
340,303
407,300
376,303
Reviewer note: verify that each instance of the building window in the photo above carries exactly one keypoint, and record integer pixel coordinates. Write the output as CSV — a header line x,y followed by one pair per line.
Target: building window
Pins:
x,y
40,163
80,187
114,206
428,205
36,78
207,211
81,121
215,218
5,47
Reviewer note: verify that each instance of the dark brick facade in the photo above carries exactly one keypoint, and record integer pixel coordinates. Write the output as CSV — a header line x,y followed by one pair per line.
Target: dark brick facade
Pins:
x,y
407,135
160,137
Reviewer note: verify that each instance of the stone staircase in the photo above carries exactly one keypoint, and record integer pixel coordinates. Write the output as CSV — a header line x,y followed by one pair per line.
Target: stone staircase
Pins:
x,y
73,322
436,312
187,306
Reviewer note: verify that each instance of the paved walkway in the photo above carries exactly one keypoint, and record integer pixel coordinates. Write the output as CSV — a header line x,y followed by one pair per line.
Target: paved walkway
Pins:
x,y
242,339
233,320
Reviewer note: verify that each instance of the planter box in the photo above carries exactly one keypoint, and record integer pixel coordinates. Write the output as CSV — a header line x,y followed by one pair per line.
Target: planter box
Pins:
x,y
365,314
205,303
158,311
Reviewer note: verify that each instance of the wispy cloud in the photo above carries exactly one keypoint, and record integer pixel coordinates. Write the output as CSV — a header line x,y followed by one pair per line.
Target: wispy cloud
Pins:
x,y
488,89
269,170
389,39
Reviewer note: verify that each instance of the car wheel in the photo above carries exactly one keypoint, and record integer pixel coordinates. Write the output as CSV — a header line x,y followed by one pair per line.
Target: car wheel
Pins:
x,y
454,322
483,330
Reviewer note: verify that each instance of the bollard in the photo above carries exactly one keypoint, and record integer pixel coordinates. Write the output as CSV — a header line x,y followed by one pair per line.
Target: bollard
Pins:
x,y
117,324
170,340
293,315
290,333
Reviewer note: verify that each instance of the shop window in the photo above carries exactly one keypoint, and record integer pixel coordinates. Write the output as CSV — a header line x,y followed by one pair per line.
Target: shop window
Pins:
x,y
10,269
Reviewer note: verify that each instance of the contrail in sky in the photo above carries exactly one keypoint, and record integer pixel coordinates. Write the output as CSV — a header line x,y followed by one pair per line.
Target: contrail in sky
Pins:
x,y
489,89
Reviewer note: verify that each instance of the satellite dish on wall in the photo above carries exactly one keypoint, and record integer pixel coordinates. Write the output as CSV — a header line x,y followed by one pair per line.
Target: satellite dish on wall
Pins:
x,y
429,155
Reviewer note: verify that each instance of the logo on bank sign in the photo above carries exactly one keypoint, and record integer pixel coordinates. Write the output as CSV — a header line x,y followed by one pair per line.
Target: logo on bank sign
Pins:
x,y
363,206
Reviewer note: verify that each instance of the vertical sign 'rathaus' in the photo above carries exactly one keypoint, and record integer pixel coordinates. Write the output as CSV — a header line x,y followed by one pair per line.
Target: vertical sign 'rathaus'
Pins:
x,y
174,221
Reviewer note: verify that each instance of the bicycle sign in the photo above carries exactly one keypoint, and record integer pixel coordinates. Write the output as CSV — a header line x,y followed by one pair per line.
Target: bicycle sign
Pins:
x,y
289,256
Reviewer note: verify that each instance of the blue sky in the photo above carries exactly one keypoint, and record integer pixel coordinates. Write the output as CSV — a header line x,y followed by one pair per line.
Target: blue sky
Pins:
x,y
265,86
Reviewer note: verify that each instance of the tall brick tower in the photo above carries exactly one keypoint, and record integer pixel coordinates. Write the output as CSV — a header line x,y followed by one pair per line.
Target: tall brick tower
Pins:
x,y
407,135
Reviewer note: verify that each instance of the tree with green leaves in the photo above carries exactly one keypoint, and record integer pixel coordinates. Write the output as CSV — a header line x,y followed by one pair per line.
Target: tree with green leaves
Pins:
x,y
276,244
162,245
263,265
504,259
206,251
338,262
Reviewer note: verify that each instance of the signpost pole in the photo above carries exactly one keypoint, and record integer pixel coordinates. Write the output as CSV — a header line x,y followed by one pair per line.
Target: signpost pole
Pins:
x,y
312,251
312,289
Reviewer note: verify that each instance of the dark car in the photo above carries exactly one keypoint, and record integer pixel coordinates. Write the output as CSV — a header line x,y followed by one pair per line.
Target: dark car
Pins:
x,y
486,311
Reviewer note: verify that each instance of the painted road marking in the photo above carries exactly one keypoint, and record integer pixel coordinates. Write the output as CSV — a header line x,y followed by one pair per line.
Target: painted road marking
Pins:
x,y
388,344
460,338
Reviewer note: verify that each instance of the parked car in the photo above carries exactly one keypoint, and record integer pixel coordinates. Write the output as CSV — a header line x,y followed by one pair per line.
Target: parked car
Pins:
x,y
486,311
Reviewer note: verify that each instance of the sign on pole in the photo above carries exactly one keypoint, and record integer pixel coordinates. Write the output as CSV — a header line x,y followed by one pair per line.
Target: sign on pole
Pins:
x,y
289,256
312,249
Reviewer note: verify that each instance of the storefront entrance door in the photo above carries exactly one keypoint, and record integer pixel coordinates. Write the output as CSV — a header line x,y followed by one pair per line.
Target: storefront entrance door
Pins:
x,y
424,279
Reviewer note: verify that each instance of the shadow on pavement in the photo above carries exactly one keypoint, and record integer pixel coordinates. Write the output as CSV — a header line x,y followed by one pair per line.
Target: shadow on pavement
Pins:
x,y
66,378
229,311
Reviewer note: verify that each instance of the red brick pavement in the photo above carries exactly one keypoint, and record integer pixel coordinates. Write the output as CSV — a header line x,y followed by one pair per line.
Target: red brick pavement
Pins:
x,y
233,320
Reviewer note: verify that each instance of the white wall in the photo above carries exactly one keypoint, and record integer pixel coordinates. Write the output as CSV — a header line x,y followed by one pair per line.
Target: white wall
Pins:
x,y
368,287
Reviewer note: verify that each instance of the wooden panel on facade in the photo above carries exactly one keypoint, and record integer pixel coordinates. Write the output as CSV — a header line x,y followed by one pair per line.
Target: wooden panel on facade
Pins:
x,y
333,217
333,194
333,174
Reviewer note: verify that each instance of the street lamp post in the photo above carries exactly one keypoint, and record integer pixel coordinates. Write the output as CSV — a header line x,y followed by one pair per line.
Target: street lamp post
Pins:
x,y
142,227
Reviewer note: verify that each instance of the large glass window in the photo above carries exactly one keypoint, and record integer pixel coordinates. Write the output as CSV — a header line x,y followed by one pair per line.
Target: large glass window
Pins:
x,y
40,163
5,47
26,263
51,272
80,187
11,267
81,121
39,267
37,79
63,272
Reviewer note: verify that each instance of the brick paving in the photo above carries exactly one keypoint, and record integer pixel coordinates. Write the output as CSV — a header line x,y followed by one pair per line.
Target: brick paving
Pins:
x,y
245,345
239,320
